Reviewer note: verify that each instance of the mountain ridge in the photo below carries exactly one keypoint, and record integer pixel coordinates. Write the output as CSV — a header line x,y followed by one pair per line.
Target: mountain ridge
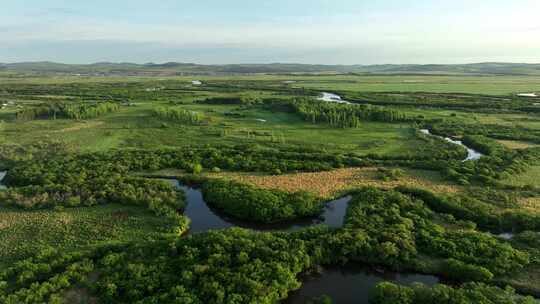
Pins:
x,y
482,68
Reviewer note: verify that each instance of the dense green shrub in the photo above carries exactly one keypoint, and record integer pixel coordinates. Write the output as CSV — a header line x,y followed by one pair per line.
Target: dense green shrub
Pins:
x,y
390,293
261,205
381,215
68,110
344,116
485,215
458,128
179,115
234,266
72,181
459,271
400,227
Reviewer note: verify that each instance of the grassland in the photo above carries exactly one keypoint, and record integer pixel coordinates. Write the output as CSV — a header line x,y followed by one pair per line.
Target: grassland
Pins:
x,y
136,128
530,177
133,126
332,183
438,84
516,144
491,85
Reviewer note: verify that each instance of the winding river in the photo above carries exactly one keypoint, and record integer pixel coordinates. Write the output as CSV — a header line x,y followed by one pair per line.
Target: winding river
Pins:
x,y
331,97
203,217
471,153
344,284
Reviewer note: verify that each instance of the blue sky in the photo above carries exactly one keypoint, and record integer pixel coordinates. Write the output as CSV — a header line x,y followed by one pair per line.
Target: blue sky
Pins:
x,y
240,31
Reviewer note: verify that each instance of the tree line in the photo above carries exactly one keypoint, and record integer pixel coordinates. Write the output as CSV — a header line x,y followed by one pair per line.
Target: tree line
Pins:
x,y
67,110
178,115
344,115
390,293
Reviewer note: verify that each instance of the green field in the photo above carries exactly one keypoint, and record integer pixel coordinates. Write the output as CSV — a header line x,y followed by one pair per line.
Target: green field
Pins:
x,y
135,127
491,85
529,177
438,84
23,233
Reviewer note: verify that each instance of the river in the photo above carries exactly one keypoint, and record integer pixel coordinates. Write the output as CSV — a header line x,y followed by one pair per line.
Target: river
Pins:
x,y
2,175
331,97
471,153
344,284
203,217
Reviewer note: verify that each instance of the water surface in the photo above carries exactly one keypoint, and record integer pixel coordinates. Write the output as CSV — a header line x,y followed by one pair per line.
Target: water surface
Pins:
x,y
203,217
345,284
350,284
527,95
331,97
471,153
506,236
2,175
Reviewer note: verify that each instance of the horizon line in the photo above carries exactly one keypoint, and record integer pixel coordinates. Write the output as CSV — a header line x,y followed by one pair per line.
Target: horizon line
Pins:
x,y
261,63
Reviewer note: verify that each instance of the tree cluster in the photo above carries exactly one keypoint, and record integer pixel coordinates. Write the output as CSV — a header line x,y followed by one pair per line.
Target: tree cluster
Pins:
x,y
261,205
178,115
67,110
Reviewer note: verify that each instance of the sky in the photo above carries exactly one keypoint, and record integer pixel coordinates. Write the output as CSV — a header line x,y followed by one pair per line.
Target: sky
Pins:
x,y
261,31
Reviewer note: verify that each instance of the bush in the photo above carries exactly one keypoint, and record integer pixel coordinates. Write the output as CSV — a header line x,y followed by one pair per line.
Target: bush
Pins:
x,y
68,110
391,293
197,169
179,115
459,271
260,205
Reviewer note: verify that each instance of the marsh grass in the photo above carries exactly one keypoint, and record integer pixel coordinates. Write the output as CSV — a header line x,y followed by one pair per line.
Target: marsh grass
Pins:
x,y
331,183
23,233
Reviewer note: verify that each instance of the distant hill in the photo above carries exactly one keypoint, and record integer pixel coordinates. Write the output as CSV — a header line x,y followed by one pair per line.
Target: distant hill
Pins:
x,y
176,68
486,68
